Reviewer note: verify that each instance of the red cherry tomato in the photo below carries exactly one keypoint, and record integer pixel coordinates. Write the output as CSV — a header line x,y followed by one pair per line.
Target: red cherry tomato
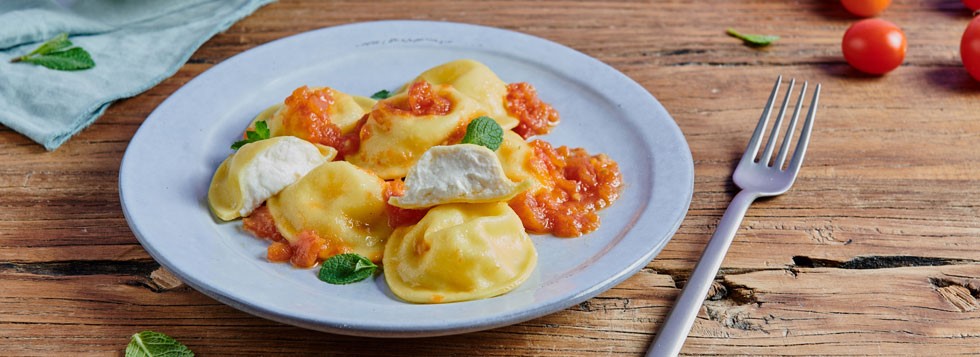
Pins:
x,y
874,46
867,8
972,4
970,48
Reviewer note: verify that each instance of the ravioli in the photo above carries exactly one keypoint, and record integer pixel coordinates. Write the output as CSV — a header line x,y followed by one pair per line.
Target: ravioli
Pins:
x,y
308,112
456,173
476,80
259,170
395,135
340,203
516,159
459,252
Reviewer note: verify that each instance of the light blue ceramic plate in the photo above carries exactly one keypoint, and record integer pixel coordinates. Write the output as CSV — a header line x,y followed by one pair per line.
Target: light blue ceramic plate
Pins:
x,y
167,168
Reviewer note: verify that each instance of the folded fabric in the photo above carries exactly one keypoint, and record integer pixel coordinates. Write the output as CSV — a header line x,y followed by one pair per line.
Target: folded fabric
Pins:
x,y
135,44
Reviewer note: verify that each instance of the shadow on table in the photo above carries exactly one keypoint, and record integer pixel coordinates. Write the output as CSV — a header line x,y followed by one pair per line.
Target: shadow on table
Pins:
x,y
953,79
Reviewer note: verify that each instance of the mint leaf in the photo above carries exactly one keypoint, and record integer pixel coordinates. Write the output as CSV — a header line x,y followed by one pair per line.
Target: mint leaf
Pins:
x,y
381,94
57,43
484,131
346,268
155,344
56,54
73,59
260,133
753,40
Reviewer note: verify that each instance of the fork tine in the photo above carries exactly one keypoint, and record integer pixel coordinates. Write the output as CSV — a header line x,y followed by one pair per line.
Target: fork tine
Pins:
x,y
791,128
754,143
794,166
774,133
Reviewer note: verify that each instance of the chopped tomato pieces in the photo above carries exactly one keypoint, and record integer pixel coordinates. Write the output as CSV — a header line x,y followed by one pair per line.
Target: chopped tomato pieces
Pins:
x,y
536,117
576,185
261,224
279,252
306,249
423,100
399,217
306,114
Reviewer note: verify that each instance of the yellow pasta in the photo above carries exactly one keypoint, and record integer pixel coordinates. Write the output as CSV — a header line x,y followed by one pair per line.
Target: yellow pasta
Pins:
x,y
340,203
459,252
307,105
393,138
476,80
515,157
259,170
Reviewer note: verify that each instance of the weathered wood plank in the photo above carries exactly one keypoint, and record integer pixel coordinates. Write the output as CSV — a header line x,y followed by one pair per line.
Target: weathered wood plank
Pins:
x,y
875,251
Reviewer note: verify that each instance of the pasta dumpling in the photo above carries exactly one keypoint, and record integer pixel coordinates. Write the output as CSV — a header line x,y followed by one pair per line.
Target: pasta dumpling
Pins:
x,y
477,81
401,128
259,170
339,202
515,156
456,173
459,252
310,113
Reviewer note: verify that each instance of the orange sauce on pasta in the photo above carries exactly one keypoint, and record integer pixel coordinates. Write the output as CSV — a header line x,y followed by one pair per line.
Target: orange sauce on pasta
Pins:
x,y
422,100
397,216
536,117
575,186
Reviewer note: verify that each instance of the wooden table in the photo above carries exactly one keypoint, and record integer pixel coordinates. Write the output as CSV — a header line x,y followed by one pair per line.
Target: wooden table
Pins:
x,y
875,250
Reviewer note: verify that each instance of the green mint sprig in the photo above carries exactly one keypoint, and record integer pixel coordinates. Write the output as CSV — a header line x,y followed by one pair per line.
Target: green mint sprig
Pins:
x,y
484,131
381,94
155,344
753,40
57,54
346,268
260,133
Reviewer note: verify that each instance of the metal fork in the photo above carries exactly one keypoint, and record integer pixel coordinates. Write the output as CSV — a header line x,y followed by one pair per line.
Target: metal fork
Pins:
x,y
757,178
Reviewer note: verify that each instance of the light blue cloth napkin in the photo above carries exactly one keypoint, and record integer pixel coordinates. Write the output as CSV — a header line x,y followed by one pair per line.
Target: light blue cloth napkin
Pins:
x,y
135,44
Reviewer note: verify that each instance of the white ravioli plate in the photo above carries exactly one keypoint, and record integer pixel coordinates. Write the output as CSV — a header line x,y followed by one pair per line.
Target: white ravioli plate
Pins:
x,y
164,176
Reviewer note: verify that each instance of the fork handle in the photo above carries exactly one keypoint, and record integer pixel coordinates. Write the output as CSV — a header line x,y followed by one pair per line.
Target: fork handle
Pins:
x,y
674,331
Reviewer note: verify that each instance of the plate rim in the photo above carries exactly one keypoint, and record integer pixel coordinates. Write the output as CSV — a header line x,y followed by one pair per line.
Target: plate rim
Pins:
x,y
381,331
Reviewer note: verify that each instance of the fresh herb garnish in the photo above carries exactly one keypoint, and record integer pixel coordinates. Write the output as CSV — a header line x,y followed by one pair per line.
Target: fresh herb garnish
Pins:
x,y
346,268
56,54
155,344
484,131
753,40
381,94
260,133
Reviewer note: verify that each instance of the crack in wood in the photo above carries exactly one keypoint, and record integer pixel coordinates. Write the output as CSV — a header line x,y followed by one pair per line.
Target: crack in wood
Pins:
x,y
961,293
146,273
84,267
877,262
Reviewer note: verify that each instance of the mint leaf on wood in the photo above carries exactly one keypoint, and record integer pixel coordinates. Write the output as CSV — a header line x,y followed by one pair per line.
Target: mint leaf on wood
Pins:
x,y
155,344
752,39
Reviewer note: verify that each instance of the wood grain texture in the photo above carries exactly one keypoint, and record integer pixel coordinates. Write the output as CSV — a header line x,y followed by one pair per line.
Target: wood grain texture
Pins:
x,y
875,250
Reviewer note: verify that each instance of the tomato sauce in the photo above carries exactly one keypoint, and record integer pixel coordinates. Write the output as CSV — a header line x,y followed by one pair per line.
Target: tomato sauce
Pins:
x,y
536,117
397,216
306,114
306,249
261,224
575,186
422,100
279,252
304,252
